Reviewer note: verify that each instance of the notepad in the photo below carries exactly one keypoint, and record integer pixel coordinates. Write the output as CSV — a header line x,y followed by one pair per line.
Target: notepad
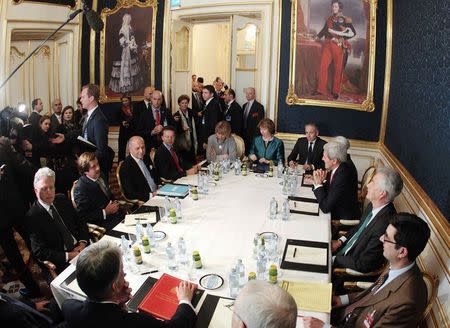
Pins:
x,y
310,296
306,255
174,190
302,205
132,219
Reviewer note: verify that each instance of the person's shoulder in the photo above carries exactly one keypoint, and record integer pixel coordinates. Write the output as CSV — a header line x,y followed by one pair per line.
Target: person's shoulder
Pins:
x,y
320,141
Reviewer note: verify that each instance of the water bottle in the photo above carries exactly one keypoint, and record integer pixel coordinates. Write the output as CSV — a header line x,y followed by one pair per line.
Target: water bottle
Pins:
x,y
285,211
170,252
293,185
234,283
261,263
139,231
200,182
237,167
167,207
273,209
178,208
182,251
240,270
255,246
151,235
280,169
124,245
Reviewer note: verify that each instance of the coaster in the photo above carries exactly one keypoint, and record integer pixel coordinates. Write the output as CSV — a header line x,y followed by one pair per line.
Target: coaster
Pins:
x,y
211,281
159,235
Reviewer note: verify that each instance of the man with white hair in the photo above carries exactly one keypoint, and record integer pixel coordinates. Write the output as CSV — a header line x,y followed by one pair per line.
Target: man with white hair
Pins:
x,y
260,304
57,233
346,144
335,188
361,249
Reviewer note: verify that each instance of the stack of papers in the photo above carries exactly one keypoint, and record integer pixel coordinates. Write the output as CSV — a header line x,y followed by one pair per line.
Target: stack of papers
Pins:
x,y
310,296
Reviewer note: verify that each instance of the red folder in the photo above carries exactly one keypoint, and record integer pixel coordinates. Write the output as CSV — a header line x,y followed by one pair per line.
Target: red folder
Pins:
x,y
161,301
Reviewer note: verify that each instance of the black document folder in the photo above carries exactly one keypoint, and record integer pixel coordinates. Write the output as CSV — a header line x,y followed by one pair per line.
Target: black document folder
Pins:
x,y
299,266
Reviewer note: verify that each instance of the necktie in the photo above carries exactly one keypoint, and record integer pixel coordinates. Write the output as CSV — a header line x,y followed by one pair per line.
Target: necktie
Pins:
x,y
63,231
103,187
85,128
147,175
157,117
175,159
247,110
310,154
355,237
360,303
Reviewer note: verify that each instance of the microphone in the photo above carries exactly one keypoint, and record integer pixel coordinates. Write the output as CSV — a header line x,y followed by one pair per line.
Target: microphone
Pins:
x,y
94,20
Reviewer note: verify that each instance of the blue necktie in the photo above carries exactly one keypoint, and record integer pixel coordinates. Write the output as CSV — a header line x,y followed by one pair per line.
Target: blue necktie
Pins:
x,y
147,175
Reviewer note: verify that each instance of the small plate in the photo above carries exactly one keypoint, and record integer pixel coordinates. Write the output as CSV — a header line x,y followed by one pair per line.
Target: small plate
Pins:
x,y
159,235
211,281
269,234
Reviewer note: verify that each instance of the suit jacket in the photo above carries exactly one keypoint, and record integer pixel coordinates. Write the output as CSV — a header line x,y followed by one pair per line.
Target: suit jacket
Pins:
x,y
91,200
399,304
97,133
89,314
146,123
340,196
197,105
234,116
134,184
250,127
212,114
366,253
165,165
300,152
54,123
46,242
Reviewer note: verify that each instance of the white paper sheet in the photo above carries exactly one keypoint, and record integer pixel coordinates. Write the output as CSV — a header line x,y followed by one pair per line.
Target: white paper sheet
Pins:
x,y
306,207
306,255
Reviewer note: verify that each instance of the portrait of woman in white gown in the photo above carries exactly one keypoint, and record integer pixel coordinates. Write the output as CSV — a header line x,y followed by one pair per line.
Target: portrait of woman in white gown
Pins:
x,y
126,74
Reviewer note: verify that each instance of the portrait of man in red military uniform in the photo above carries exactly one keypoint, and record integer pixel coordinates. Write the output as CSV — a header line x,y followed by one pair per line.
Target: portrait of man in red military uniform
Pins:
x,y
333,61
337,30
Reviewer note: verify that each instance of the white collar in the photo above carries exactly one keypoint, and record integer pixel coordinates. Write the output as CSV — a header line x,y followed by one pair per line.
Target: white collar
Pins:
x,y
44,205
90,111
136,159
231,101
208,101
93,180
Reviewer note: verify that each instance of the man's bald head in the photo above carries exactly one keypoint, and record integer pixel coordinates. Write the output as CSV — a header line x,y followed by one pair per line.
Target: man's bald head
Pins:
x,y
136,145
148,93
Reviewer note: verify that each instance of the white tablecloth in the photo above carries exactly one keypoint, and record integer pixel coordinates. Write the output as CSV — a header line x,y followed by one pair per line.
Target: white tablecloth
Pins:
x,y
221,226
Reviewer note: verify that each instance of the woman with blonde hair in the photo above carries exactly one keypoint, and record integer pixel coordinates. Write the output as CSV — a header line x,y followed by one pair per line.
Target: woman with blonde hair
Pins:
x,y
221,145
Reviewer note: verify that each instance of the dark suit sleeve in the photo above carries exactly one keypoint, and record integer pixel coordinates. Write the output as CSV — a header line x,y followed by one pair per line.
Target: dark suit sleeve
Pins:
x,y
85,208
101,138
295,151
80,230
127,185
329,197
165,166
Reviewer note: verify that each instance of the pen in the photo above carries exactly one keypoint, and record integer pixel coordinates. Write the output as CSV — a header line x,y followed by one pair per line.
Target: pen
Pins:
x,y
149,272
295,251
141,219
295,204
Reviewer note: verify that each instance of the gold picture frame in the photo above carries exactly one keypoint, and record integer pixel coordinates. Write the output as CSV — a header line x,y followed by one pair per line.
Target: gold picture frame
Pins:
x,y
124,49
314,54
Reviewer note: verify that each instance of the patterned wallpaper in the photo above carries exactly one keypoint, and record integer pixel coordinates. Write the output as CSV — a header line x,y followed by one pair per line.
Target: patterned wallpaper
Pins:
x,y
418,129
332,121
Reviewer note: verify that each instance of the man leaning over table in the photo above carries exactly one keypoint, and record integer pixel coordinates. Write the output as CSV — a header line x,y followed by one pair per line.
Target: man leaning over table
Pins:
x,y
361,249
100,275
399,296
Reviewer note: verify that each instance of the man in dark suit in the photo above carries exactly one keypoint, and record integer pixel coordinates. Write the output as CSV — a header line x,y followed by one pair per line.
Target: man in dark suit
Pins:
x,y
349,162
197,101
208,117
308,151
219,93
143,105
35,116
95,127
57,233
100,276
93,198
253,113
152,121
337,190
56,118
399,297
169,165
16,175
233,112
137,176
361,249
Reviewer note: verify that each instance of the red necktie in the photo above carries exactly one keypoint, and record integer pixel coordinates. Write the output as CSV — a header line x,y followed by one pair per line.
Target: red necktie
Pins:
x,y
175,158
331,176
158,117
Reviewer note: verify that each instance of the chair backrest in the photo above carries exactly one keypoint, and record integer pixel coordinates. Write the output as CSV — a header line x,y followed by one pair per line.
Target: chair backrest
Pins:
x,y
72,195
119,182
432,283
152,155
240,146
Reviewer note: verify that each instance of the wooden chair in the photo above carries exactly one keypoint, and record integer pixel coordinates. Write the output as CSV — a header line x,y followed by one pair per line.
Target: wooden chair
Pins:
x,y
134,202
432,283
240,146
354,280
96,232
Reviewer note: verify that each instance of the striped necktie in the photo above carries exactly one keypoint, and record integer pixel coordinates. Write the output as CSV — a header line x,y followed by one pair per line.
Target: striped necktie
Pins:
x,y
355,237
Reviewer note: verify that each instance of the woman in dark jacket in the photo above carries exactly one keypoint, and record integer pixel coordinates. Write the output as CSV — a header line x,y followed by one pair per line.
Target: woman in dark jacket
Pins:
x,y
127,125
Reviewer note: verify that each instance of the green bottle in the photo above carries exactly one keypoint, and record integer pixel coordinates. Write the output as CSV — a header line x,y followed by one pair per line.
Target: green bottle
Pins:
x,y
173,216
273,274
146,245
137,254
194,193
197,260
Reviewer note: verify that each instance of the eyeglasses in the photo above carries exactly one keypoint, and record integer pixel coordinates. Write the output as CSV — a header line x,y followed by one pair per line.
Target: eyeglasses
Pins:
x,y
385,239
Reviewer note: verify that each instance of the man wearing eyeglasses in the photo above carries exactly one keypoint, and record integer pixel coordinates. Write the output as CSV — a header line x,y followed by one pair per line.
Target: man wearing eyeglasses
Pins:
x,y
399,296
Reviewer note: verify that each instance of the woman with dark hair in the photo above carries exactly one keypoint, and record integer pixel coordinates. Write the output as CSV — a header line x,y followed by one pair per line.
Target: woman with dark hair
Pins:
x,y
266,147
44,144
69,127
186,138
126,129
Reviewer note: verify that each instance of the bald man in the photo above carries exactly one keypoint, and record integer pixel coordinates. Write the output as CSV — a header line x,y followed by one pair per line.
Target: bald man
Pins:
x,y
152,120
56,119
253,112
137,176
